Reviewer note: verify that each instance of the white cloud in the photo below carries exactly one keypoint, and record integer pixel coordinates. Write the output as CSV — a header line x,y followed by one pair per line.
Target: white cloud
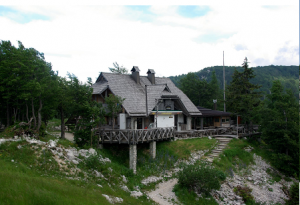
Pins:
x,y
85,40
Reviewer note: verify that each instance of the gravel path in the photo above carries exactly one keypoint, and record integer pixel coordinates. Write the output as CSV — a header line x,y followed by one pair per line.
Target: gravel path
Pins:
x,y
69,136
163,195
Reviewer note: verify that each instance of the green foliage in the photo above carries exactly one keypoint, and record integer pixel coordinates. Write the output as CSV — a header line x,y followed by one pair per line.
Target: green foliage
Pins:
x,y
114,103
242,96
199,91
187,197
82,137
279,120
265,75
294,195
201,177
118,69
234,156
245,193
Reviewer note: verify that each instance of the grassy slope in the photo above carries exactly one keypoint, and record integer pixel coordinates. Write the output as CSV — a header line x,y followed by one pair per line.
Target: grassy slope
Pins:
x,y
33,179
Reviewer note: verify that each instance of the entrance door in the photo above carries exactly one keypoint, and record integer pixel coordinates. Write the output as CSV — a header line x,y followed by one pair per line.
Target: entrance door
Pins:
x,y
139,123
175,121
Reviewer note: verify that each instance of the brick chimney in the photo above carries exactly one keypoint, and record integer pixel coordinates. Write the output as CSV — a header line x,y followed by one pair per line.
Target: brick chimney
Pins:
x,y
151,76
135,73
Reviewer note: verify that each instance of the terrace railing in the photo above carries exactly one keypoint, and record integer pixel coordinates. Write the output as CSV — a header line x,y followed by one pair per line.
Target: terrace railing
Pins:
x,y
129,136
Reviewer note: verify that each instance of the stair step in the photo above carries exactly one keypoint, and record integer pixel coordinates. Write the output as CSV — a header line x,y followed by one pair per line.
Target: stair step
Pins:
x,y
216,151
213,155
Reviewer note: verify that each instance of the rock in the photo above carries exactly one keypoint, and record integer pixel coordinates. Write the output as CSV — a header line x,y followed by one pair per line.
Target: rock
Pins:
x,y
209,137
98,174
75,161
124,179
12,160
113,200
70,155
99,185
125,188
92,151
52,144
136,194
15,137
151,179
19,146
250,179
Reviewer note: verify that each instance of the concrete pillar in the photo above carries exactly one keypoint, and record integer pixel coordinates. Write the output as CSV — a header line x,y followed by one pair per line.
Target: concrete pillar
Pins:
x,y
201,123
153,149
132,157
188,123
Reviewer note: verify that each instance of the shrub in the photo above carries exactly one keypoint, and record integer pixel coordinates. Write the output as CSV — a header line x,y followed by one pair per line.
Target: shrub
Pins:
x,y
245,193
82,137
201,177
294,195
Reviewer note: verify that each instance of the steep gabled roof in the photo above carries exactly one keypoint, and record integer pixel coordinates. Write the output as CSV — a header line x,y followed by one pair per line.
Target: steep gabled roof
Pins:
x,y
125,86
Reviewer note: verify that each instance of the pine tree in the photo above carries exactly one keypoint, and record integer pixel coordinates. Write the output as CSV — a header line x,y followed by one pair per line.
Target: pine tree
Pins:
x,y
280,127
241,95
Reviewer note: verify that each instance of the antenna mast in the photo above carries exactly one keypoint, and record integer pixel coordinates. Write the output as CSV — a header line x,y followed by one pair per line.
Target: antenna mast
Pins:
x,y
224,82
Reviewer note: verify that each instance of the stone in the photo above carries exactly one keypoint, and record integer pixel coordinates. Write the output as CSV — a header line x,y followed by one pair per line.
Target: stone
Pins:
x,y
19,146
136,194
70,155
75,161
125,188
250,179
92,151
99,185
98,174
124,179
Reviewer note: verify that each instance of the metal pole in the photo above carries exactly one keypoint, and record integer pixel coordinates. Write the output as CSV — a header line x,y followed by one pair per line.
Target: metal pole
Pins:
x,y
237,126
224,82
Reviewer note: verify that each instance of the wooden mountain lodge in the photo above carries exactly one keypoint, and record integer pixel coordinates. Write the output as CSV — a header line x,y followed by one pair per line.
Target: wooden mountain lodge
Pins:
x,y
154,109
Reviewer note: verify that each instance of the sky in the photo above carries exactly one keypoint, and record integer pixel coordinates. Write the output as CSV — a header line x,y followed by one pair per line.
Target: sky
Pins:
x,y
85,38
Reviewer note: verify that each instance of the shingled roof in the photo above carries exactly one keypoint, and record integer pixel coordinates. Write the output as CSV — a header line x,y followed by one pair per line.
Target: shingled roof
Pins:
x,y
125,86
213,113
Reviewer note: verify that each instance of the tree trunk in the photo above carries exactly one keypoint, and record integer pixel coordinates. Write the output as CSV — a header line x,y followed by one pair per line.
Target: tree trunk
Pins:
x,y
27,112
40,114
62,123
15,110
33,115
7,115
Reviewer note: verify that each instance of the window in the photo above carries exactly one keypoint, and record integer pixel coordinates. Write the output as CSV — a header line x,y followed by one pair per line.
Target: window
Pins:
x,y
223,120
217,120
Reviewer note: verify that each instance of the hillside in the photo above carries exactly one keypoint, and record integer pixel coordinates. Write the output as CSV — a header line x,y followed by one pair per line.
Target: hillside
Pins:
x,y
265,75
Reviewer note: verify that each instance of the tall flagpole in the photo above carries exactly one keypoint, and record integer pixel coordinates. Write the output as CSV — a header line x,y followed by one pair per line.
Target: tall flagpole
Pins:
x,y
224,82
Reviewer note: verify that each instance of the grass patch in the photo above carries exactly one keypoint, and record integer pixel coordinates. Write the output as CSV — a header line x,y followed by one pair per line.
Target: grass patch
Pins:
x,y
187,197
234,156
182,149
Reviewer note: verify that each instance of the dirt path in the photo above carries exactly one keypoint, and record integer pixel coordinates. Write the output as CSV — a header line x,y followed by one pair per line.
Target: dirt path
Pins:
x,y
69,136
163,195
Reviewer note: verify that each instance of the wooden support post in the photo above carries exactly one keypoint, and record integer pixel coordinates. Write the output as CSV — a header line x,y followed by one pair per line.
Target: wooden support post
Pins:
x,y
153,149
132,157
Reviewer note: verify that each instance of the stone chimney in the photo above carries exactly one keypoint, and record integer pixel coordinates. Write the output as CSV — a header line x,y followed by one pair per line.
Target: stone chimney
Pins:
x,y
135,73
151,76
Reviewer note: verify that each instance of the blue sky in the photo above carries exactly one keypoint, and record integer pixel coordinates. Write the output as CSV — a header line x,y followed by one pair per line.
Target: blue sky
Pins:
x,y
171,39
21,17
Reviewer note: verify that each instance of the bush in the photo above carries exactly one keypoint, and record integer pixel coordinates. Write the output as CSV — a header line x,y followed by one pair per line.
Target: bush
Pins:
x,y
245,193
201,177
82,137
294,195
